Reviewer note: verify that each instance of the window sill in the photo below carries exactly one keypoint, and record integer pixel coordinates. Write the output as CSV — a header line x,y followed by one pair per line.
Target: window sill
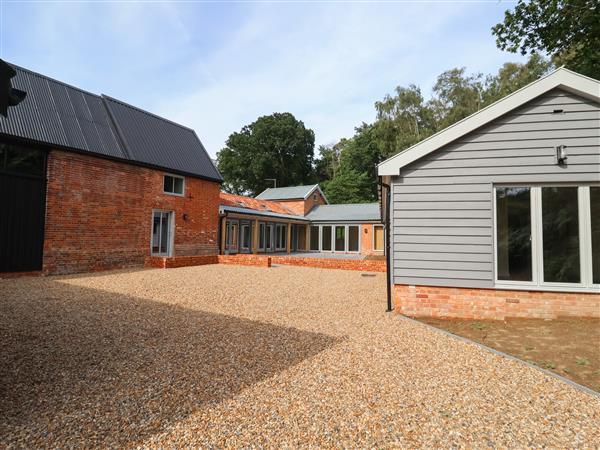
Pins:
x,y
546,288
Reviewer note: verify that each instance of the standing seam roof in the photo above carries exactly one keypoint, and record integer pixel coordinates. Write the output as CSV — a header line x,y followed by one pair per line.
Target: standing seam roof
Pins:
x,y
286,193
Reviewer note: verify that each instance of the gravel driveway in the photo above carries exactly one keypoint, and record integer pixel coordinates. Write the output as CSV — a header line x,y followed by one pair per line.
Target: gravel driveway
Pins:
x,y
226,356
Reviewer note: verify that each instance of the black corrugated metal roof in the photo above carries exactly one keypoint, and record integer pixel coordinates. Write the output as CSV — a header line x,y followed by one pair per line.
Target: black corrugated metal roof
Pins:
x,y
55,113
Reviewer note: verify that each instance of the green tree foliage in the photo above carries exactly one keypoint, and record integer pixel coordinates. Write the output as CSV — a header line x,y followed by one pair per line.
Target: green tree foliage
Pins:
x,y
349,186
406,118
277,146
354,179
567,30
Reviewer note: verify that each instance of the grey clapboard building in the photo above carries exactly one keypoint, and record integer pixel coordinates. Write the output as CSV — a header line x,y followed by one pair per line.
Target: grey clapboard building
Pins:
x,y
506,199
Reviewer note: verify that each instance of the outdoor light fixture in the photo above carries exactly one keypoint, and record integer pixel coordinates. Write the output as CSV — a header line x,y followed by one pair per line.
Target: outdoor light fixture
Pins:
x,y
185,216
561,155
8,95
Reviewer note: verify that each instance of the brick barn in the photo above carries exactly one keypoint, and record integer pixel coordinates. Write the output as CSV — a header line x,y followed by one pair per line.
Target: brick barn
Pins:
x,y
91,183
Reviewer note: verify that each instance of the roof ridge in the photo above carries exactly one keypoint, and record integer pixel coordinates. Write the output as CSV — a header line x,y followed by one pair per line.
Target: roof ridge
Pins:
x,y
129,105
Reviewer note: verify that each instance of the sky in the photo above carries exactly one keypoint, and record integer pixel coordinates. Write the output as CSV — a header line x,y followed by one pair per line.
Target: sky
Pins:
x,y
217,66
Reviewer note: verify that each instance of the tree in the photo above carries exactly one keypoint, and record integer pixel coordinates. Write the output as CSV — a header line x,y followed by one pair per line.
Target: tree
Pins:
x,y
402,120
567,30
514,76
277,146
348,186
327,163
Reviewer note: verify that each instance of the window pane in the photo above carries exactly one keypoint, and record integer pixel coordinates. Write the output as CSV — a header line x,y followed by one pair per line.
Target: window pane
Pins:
x,y
314,238
156,232
353,238
340,239
24,160
164,234
560,224
178,186
378,238
261,236
245,236
283,236
595,215
326,239
268,236
513,233
168,184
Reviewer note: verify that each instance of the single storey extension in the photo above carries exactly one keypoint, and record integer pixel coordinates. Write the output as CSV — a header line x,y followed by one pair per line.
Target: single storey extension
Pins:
x,y
298,219
89,182
499,215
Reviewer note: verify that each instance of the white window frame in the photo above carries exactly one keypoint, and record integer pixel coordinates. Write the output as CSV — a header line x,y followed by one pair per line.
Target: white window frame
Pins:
x,y
283,236
310,229
333,225
373,238
537,257
241,243
171,236
174,193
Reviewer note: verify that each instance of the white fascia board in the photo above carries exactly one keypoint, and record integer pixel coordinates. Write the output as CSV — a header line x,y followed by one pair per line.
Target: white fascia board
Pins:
x,y
317,187
560,78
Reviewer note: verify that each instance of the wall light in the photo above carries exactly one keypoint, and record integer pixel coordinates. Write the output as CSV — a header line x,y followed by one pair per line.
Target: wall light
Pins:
x,y
561,155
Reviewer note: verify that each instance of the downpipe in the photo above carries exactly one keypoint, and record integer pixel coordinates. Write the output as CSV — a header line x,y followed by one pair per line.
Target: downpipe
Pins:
x,y
388,264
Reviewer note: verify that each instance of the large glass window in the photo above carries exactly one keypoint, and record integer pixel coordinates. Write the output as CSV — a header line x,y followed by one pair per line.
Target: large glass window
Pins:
x,y
246,236
261,236
280,236
513,233
326,238
269,237
560,223
595,222
314,238
353,238
340,239
22,160
161,233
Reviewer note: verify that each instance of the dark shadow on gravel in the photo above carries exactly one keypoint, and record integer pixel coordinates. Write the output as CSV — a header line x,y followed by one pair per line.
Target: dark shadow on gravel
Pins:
x,y
86,368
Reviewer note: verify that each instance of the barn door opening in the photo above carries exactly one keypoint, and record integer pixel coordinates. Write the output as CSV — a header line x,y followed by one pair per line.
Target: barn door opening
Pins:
x,y
23,194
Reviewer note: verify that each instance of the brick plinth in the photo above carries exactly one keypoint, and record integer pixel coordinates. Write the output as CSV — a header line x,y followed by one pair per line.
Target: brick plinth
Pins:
x,y
430,301
246,260
160,262
99,214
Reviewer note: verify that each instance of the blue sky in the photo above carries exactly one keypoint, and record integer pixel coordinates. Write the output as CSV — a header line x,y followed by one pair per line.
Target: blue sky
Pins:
x,y
217,66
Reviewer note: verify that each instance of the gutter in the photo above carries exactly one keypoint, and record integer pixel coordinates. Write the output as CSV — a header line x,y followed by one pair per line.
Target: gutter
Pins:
x,y
386,222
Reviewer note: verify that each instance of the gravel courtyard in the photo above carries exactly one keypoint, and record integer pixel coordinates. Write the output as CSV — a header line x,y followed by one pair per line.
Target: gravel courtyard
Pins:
x,y
226,356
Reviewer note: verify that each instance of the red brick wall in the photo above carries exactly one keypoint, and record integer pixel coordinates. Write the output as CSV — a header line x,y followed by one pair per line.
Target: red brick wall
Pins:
x,y
302,207
331,263
99,214
245,260
429,301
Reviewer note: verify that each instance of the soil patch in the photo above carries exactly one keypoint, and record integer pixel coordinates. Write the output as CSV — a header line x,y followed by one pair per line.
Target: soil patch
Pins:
x,y
567,346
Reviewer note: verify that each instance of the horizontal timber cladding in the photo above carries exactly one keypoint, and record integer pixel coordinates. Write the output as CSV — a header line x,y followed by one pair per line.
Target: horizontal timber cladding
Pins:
x,y
443,204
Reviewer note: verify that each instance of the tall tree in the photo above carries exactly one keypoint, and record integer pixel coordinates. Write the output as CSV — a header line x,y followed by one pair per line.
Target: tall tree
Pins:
x,y
354,180
567,30
277,146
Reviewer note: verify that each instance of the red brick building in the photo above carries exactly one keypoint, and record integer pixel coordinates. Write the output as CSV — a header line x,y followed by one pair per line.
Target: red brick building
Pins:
x,y
91,183
299,219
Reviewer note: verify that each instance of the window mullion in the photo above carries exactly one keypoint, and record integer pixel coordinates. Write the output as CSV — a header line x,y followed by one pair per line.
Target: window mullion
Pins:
x,y
585,235
537,235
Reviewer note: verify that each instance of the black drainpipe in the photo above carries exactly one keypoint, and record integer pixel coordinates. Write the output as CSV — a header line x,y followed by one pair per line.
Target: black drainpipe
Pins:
x,y
220,232
386,223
